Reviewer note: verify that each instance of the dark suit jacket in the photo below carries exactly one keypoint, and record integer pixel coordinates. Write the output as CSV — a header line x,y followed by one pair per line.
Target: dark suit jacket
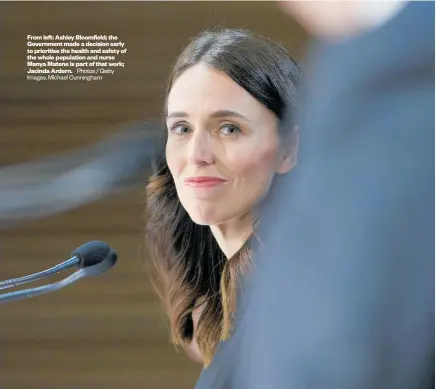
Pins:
x,y
343,295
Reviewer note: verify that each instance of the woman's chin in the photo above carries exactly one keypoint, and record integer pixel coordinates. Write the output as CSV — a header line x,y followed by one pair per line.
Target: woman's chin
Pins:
x,y
204,219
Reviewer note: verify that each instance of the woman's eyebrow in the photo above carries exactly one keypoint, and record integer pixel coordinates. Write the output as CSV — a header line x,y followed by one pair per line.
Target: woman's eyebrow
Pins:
x,y
177,115
228,113
214,115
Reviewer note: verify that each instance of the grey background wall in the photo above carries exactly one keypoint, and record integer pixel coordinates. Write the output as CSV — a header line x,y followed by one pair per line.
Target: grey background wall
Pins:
x,y
108,332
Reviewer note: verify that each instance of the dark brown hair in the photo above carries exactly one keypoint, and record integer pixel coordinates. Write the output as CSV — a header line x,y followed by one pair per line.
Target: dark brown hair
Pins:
x,y
188,264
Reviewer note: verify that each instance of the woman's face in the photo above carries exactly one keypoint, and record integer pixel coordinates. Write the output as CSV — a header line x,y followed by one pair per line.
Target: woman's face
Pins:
x,y
223,148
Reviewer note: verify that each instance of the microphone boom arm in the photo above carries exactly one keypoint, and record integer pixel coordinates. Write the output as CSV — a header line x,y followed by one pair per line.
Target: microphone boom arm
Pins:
x,y
87,271
40,275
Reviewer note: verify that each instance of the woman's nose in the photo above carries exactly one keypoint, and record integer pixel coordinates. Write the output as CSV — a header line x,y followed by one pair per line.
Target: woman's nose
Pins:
x,y
200,150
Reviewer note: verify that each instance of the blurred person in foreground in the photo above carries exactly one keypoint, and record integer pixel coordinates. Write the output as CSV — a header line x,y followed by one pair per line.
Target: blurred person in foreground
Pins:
x,y
342,296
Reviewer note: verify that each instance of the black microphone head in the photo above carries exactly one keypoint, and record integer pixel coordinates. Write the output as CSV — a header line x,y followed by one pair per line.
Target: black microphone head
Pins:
x,y
91,253
103,266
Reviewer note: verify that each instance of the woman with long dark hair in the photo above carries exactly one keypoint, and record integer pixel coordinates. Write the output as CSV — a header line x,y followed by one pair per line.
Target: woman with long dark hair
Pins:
x,y
224,149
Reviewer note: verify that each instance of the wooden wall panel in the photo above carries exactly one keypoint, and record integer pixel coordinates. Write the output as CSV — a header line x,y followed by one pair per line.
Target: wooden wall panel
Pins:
x,y
107,332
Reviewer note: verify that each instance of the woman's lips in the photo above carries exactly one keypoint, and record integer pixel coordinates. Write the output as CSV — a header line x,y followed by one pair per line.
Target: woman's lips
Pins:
x,y
204,181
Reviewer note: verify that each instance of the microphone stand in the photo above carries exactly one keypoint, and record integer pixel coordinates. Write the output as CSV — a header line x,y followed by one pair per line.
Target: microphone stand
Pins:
x,y
90,271
40,275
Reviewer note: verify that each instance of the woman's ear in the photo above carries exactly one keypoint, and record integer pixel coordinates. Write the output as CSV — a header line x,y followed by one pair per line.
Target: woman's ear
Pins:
x,y
289,152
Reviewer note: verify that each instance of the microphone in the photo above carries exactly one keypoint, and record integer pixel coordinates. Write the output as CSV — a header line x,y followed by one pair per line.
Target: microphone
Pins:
x,y
86,255
93,258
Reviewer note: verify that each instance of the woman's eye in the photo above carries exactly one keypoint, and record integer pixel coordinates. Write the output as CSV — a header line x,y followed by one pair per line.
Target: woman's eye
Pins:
x,y
230,129
180,129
